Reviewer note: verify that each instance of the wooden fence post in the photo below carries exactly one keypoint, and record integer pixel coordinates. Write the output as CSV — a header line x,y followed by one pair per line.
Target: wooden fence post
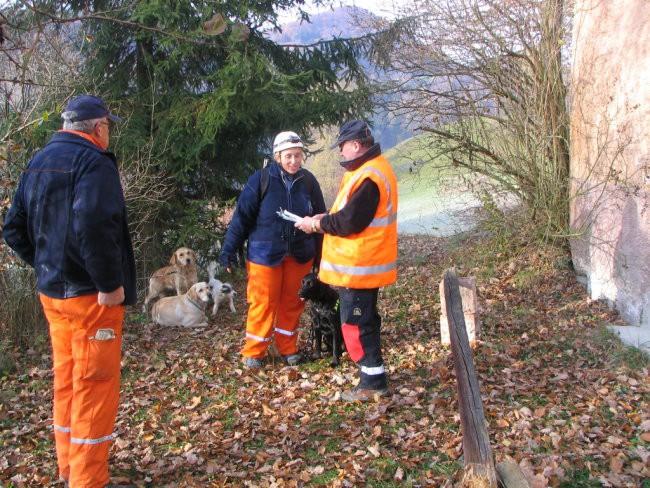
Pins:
x,y
477,454
467,287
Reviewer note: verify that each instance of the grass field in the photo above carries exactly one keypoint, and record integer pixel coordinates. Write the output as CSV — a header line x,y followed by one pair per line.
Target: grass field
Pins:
x,y
433,200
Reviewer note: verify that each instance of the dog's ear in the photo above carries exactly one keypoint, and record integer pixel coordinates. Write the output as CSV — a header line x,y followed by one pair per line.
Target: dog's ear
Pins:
x,y
192,293
174,259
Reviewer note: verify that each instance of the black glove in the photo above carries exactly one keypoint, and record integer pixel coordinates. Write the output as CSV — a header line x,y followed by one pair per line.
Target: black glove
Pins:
x,y
228,261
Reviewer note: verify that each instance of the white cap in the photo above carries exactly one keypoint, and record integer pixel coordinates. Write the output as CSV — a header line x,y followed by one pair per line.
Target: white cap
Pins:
x,y
286,140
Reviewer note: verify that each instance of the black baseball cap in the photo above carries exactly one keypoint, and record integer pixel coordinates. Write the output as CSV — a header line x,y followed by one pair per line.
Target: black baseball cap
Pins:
x,y
351,131
86,107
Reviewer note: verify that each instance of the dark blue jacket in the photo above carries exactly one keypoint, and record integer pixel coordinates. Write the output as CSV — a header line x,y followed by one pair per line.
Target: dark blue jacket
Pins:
x,y
68,220
271,238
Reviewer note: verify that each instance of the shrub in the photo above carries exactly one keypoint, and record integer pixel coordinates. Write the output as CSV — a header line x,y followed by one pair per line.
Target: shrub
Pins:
x,y
22,323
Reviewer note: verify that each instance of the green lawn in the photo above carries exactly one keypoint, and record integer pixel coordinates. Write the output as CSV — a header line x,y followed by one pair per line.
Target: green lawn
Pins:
x,y
433,199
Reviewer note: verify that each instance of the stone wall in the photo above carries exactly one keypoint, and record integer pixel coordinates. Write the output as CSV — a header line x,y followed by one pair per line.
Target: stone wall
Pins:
x,y
610,153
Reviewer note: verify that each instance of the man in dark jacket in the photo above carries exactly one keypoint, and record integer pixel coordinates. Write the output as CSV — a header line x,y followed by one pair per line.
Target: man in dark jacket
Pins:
x,y
68,220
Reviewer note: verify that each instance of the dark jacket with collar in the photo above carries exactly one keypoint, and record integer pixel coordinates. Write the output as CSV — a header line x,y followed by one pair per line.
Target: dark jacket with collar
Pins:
x,y
270,238
68,220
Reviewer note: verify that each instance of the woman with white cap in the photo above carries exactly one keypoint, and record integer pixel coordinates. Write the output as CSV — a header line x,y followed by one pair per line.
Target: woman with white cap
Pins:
x,y
278,255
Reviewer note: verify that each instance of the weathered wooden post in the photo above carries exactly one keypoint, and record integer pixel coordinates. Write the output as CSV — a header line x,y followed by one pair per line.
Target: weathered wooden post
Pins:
x,y
477,454
467,287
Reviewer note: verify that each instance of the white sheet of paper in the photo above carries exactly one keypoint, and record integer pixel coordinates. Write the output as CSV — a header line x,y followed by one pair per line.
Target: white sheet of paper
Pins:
x,y
286,215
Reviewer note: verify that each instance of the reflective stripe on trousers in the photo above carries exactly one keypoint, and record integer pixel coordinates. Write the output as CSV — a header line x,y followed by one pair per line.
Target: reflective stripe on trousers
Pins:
x,y
361,332
86,385
274,306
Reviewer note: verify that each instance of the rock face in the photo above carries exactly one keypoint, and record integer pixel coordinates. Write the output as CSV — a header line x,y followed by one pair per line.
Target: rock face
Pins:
x,y
610,153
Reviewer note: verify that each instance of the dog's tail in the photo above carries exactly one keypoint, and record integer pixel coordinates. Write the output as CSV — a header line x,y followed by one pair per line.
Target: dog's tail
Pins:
x,y
212,270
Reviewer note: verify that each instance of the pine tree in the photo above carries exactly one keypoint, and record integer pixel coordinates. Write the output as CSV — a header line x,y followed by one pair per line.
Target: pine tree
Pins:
x,y
203,80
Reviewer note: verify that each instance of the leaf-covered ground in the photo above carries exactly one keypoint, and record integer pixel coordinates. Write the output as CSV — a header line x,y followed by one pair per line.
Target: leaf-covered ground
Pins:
x,y
562,398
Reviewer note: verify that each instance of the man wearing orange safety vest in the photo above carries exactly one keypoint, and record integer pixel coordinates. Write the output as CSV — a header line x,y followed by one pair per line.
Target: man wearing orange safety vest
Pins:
x,y
360,251
68,220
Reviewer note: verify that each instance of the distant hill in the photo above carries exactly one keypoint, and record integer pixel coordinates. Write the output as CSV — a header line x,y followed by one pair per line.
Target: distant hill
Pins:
x,y
343,22
338,22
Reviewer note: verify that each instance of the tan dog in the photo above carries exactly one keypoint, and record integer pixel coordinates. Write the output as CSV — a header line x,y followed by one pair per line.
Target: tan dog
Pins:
x,y
176,278
185,310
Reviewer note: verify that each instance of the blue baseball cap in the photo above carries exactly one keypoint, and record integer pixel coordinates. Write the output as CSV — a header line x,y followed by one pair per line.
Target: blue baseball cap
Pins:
x,y
351,131
86,107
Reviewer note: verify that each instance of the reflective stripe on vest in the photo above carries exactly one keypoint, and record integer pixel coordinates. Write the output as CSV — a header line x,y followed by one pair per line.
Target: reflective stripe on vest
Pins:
x,y
358,270
61,429
355,178
384,221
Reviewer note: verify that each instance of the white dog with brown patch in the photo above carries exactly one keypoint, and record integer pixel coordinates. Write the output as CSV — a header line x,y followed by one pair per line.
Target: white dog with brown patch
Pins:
x,y
221,292
185,310
176,278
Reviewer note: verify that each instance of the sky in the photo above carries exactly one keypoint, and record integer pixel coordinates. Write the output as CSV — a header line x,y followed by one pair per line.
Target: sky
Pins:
x,y
380,7
383,8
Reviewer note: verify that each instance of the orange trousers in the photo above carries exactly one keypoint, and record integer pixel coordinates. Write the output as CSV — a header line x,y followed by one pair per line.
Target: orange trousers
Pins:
x,y
274,306
86,354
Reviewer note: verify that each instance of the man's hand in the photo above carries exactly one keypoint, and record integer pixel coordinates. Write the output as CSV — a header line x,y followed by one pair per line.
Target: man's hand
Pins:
x,y
309,224
229,263
111,299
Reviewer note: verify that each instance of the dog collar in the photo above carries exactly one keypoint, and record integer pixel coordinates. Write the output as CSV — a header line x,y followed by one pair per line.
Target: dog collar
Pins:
x,y
163,275
195,304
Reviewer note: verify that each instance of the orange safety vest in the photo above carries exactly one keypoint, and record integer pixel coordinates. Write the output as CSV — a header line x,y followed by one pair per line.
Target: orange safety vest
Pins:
x,y
367,259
